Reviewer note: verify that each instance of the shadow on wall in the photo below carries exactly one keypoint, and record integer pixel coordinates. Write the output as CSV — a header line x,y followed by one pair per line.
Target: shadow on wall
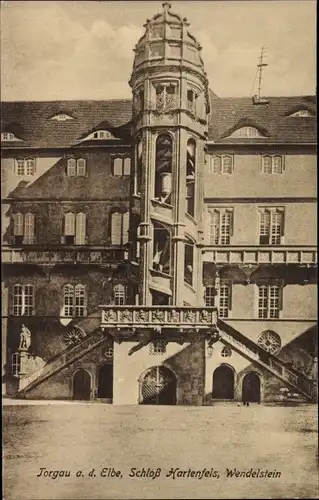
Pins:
x,y
185,375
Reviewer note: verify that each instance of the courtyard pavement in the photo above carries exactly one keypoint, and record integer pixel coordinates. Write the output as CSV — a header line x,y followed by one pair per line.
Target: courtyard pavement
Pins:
x,y
74,437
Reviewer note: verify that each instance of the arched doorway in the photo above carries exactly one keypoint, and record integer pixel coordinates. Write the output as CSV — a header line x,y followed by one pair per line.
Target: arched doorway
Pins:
x,y
81,385
251,388
105,381
223,382
158,387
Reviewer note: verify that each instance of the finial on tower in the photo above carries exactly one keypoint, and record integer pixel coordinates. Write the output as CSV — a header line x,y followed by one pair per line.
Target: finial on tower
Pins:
x,y
166,6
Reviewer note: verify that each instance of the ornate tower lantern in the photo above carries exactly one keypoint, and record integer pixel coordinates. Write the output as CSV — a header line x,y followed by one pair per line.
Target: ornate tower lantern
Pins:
x,y
170,107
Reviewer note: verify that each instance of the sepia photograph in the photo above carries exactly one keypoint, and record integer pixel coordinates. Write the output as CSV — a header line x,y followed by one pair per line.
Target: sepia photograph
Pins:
x,y
159,249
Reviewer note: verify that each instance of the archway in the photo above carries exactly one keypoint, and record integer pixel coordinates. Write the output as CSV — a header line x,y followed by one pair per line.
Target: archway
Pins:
x,y
223,383
158,387
81,385
251,388
105,381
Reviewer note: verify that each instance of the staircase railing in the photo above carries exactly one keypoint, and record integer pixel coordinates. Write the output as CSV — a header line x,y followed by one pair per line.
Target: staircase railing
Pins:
x,y
297,380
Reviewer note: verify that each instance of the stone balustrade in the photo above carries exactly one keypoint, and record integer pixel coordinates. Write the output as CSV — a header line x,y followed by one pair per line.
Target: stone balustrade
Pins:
x,y
158,316
34,255
281,254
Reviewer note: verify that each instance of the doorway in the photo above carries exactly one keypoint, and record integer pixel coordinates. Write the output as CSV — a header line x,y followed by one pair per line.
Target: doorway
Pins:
x,y
158,387
105,381
81,386
251,388
223,382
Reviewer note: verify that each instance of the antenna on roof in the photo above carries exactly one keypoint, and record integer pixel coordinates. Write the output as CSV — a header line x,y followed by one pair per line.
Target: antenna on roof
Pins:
x,y
258,99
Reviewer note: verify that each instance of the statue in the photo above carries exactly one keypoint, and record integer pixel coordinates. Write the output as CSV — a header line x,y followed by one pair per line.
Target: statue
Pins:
x,y
25,338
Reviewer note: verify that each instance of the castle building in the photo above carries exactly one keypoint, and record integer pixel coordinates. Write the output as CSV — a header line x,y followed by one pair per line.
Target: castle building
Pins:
x,y
160,250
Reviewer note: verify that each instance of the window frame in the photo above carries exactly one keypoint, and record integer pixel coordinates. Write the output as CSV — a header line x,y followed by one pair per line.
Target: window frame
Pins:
x,y
221,237
273,231
222,158
25,305
22,166
23,228
168,104
15,364
123,159
74,228
73,302
123,224
119,294
272,157
269,307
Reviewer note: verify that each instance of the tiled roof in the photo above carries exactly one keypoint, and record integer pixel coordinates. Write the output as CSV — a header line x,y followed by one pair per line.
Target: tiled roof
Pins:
x,y
31,121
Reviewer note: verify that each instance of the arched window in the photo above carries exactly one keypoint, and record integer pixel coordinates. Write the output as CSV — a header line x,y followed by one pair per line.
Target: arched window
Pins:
x,y
119,295
161,249
163,168
190,177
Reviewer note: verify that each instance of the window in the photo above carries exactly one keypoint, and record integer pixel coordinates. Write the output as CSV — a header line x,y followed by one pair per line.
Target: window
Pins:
x,y
25,166
157,347
139,100
190,176
23,228
75,300
189,262
74,228
272,164
119,228
221,226
161,249
224,295
270,341
247,133
271,226
76,167
121,165
210,294
269,301
226,352
15,364
119,295
62,117
163,168
192,97
23,300
220,164
156,31
302,113
9,136
174,50
138,167
166,97
157,50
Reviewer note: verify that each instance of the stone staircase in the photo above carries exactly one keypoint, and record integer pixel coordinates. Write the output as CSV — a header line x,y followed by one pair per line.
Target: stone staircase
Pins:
x,y
295,380
90,324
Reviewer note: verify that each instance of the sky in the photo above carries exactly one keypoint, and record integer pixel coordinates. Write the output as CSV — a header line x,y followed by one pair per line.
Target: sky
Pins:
x,y
52,50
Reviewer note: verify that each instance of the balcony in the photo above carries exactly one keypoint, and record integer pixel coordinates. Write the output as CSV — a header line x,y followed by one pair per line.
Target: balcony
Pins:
x,y
242,254
41,255
181,319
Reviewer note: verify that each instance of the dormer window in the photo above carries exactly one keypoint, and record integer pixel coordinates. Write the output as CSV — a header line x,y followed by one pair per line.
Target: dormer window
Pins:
x,y
9,137
302,113
99,135
62,117
246,133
